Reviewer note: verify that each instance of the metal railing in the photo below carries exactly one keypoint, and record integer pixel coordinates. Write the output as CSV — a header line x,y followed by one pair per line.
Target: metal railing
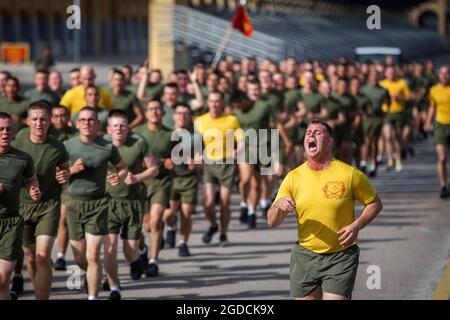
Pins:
x,y
195,28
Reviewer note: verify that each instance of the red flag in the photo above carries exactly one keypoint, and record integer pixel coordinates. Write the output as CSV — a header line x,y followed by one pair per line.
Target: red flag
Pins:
x,y
241,21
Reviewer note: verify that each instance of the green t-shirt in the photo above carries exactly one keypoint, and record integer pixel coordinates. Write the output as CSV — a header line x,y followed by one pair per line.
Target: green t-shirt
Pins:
x,y
133,152
186,98
256,117
348,105
377,96
362,102
185,140
291,97
274,99
126,101
46,157
34,95
14,166
152,90
160,143
168,117
18,106
91,182
333,106
62,134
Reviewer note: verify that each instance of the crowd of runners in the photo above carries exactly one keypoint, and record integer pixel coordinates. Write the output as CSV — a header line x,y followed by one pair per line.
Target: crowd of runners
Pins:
x,y
83,164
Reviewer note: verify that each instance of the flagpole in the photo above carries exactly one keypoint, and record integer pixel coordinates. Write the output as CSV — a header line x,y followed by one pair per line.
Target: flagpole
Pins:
x,y
226,37
224,42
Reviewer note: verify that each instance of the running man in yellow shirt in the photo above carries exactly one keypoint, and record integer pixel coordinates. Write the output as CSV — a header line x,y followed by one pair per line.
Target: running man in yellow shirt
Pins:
x,y
219,133
440,106
395,120
322,193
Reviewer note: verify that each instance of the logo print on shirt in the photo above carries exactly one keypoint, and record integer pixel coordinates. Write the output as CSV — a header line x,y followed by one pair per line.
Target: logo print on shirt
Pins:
x,y
334,190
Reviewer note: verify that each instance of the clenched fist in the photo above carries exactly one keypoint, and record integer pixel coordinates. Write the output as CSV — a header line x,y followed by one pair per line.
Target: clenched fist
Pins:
x,y
285,204
77,166
35,194
62,175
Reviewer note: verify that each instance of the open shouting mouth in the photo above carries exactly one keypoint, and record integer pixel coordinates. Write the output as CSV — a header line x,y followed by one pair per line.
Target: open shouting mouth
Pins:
x,y
312,146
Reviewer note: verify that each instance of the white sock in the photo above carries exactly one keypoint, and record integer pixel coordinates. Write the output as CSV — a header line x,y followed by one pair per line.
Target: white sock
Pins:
x,y
92,298
153,261
372,167
244,205
264,203
115,288
251,210
182,242
172,228
363,163
60,255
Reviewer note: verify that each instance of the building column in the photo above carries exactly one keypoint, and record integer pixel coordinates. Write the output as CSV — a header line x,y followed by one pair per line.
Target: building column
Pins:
x,y
161,41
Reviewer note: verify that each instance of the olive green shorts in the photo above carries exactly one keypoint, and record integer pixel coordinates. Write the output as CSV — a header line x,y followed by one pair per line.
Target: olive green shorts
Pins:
x,y
441,134
11,235
158,191
333,272
220,173
372,127
40,218
396,120
184,189
126,215
87,216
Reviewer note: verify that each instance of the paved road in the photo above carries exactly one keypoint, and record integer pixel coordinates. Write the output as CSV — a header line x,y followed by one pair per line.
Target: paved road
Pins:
x,y
409,242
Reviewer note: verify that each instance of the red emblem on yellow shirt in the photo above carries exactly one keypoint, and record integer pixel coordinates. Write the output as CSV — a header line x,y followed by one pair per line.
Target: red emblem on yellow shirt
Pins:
x,y
334,190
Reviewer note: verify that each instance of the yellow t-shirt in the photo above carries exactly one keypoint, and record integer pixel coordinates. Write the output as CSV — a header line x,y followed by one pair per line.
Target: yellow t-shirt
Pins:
x,y
440,99
325,202
74,100
214,133
400,88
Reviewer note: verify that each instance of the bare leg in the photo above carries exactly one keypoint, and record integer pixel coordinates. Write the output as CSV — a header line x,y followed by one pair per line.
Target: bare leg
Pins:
x,y
316,294
6,268
63,233
44,275
110,263
79,252
94,267
441,152
208,203
156,214
225,195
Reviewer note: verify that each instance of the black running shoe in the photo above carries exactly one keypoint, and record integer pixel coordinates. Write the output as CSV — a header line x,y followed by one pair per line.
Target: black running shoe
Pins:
x,y
223,240
143,258
264,212
373,173
13,295
443,195
114,295
17,285
183,250
105,285
60,264
412,152
152,270
244,215
207,237
170,238
135,270
252,221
